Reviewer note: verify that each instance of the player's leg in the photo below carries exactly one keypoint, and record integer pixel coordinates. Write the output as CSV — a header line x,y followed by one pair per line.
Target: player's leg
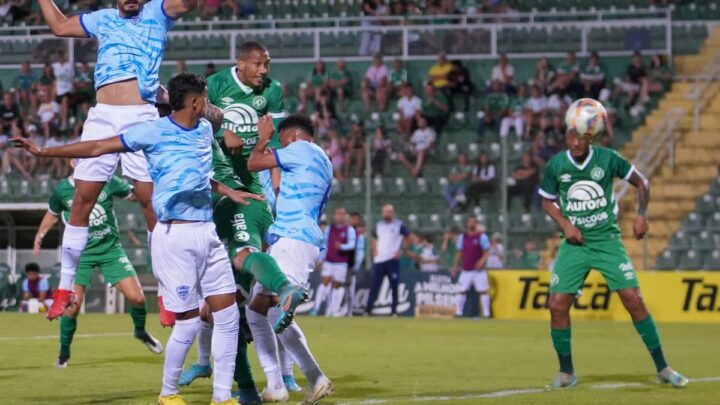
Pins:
x,y
338,288
378,273
266,345
323,289
482,286
464,284
286,368
201,368
351,294
393,273
68,322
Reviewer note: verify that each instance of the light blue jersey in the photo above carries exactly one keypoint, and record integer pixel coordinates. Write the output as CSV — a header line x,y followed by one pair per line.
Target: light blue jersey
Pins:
x,y
268,189
304,191
129,47
180,164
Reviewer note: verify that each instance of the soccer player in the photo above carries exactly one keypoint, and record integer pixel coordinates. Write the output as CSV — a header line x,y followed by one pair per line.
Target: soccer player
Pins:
x,y
34,286
356,222
577,191
131,44
189,260
295,238
472,250
103,251
340,240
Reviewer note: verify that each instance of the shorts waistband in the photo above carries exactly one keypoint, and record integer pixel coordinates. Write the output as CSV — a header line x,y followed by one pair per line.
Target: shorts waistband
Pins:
x,y
120,108
185,224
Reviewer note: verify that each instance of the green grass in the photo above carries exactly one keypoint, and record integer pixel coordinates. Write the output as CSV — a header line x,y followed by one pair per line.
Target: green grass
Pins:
x,y
397,360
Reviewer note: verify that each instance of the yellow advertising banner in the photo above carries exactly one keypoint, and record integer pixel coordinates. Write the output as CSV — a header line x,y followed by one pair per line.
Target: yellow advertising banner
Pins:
x,y
682,296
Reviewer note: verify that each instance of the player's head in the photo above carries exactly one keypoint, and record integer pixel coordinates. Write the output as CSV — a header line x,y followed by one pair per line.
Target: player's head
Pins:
x,y
340,216
129,8
388,212
496,237
253,64
295,128
356,219
471,223
61,55
578,146
32,271
188,92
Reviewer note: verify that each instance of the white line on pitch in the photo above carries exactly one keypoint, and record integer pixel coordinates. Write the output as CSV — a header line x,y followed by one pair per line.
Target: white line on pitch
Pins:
x,y
79,335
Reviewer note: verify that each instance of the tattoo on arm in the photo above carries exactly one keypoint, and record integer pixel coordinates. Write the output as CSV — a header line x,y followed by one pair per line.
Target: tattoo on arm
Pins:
x,y
215,116
642,184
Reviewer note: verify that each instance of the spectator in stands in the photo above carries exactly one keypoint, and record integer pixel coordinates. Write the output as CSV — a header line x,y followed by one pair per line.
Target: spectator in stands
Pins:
x,y
211,8
58,168
421,143
482,181
292,104
424,254
10,118
335,151
210,69
536,109
341,83
48,114
660,76
496,108
84,87
592,77
26,85
635,83
544,74
318,80
458,181
439,74
47,81
371,40
530,256
355,152
515,117
461,83
376,85
398,77
504,72
435,108
35,287
180,67
547,144
407,107
525,179
324,116
381,148
567,78
496,252
64,72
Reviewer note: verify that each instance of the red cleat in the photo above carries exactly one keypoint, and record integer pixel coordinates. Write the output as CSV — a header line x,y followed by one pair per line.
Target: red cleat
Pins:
x,y
167,318
62,299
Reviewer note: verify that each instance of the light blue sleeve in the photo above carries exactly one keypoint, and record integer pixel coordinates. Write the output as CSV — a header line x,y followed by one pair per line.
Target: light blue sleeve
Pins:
x,y
44,285
91,22
351,237
359,252
292,156
138,138
25,286
157,10
485,242
459,242
326,240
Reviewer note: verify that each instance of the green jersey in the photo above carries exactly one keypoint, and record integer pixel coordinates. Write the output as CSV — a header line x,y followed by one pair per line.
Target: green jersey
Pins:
x,y
497,102
242,107
398,77
103,234
222,168
584,191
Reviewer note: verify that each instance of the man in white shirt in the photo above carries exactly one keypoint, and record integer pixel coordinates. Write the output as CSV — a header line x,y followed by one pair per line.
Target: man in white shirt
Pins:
x,y
408,106
421,142
504,72
64,77
375,84
47,113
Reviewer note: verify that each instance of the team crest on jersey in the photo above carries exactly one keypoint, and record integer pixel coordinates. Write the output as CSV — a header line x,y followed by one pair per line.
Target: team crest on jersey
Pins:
x,y
259,102
183,291
597,173
135,20
242,236
554,279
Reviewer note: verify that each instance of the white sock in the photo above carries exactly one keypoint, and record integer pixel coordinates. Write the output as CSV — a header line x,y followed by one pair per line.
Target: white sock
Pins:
x,y
351,296
149,238
336,299
286,361
266,348
485,304
294,341
176,350
226,326
204,343
460,303
322,293
73,244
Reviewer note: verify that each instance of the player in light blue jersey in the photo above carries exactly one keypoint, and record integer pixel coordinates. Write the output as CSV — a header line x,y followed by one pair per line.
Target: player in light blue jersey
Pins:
x,y
189,260
131,41
295,237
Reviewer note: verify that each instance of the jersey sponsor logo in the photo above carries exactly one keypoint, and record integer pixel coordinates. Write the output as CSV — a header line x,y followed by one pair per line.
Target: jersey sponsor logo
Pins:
x,y
585,196
554,279
98,216
227,100
597,173
242,119
259,102
183,291
566,178
240,227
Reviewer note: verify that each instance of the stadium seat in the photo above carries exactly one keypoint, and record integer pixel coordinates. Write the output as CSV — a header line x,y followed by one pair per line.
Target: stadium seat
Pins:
x,y
713,224
712,261
690,260
679,242
667,260
693,223
705,242
706,205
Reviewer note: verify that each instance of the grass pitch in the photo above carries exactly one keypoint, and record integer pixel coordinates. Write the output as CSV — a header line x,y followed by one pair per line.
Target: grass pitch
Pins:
x,y
376,361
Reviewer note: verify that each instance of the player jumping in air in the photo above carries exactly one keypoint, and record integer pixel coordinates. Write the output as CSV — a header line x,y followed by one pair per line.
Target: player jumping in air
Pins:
x,y
577,191
189,260
132,40
103,251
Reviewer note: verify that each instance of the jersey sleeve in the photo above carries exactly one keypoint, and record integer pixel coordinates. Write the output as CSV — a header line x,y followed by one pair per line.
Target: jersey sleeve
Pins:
x,y
25,286
621,167
549,185
276,106
485,242
459,242
55,204
44,285
119,188
138,137
91,22
291,156
157,10
222,169
404,231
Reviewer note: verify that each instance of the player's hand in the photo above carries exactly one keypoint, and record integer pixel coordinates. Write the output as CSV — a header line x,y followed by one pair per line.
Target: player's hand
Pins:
x,y
232,142
265,128
37,245
640,227
573,235
20,142
242,197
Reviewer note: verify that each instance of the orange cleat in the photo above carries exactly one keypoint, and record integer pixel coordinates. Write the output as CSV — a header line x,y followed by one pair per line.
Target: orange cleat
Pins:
x,y
62,299
167,318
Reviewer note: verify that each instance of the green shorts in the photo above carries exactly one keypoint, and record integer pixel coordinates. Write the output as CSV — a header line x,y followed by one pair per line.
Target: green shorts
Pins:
x,y
242,226
114,266
244,282
575,261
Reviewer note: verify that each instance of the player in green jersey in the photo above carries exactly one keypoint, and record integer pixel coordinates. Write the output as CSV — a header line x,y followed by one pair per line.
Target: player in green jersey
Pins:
x,y
103,251
577,191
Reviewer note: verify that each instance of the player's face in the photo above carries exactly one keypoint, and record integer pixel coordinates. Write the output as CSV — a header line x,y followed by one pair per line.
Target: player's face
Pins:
x,y
32,276
354,220
388,212
578,147
340,216
254,68
472,224
129,8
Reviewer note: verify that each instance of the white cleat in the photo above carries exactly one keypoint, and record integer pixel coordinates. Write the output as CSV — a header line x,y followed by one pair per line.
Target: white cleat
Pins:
x,y
61,365
322,388
151,343
280,395
672,377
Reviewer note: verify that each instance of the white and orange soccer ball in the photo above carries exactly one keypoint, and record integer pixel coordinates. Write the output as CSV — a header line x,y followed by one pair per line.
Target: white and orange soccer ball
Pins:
x,y
587,117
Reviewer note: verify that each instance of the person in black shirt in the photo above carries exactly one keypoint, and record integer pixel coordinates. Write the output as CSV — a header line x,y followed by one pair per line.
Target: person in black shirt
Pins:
x,y
636,82
10,119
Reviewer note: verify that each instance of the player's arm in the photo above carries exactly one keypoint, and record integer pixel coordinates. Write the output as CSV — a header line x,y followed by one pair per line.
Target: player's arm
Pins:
x,y
572,234
177,8
351,240
485,244
214,115
60,25
359,253
641,183
47,223
76,150
260,157
458,256
240,197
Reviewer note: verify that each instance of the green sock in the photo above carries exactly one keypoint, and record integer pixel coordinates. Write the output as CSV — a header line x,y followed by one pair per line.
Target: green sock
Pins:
x,y
243,373
562,343
68,326
265,270
138,315
649,334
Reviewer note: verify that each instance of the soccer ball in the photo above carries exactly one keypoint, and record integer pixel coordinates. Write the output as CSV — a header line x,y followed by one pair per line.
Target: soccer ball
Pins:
x,y
587,117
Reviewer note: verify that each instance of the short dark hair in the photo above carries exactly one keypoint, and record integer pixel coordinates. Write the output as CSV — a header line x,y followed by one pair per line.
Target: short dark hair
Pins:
x,y
247,47
32,267
182,85
298,121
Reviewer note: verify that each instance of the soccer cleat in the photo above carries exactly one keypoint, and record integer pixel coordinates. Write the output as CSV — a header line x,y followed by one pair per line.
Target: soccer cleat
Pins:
x,y
150,342
174,399
167,318
280,395
564,380
61,363
193,373
672,377
62,299
290,297
322,388
230,401
248,396
291,384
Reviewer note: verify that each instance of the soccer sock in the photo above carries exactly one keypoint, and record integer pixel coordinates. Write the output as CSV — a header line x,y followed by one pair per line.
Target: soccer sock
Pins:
x,y
204,343
322,292
265,270
138,315
460,303
68,326
243,373
226,326
336,300
485,303
649,334
73,244
351,297
562,342
176,350
294,341
286,361
266,348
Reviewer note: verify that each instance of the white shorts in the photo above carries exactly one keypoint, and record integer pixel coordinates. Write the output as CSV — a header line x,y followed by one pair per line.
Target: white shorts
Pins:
x,y
477,279
336,271
105,121
295,258
190,263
